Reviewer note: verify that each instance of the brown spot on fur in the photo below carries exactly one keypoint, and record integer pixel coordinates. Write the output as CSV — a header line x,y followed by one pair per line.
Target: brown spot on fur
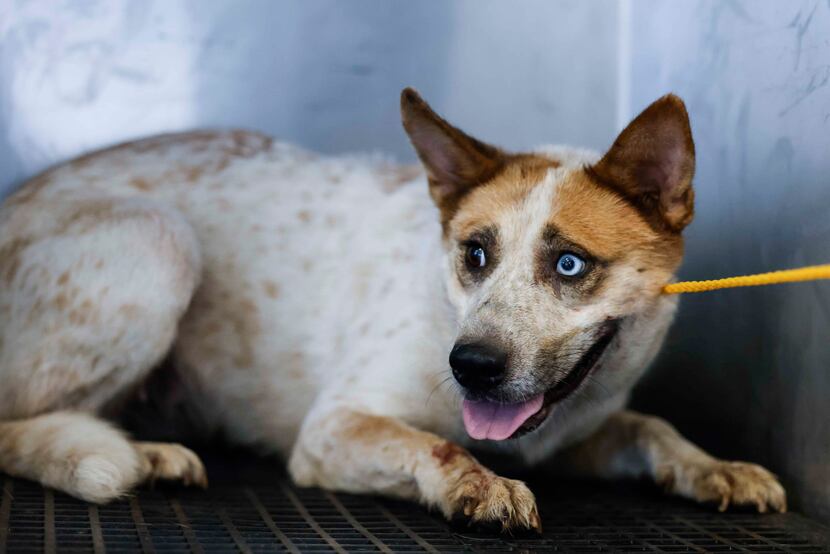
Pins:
x,y
192,173
394,176
141,184
271,288
61,301
365,428
447,452
90,215
10,258
83,313
31,188
246,326
63,279
227,145
248,306
304,216
129,311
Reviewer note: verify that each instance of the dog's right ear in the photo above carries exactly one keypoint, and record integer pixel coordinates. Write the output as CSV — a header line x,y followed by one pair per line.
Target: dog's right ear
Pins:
x,y
455,162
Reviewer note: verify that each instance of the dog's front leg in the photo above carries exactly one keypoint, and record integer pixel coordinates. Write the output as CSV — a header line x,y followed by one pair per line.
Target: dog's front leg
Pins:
x,y
630,444
357,452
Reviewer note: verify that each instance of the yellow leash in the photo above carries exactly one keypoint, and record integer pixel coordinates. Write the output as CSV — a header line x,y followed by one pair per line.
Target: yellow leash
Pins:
x,y
811,273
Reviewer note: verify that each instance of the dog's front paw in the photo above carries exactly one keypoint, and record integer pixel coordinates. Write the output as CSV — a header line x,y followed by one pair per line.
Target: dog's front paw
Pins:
x,y
171,462
725,483
485,498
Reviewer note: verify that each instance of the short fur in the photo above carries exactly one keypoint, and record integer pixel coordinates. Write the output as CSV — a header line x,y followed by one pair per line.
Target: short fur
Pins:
x,y
309,304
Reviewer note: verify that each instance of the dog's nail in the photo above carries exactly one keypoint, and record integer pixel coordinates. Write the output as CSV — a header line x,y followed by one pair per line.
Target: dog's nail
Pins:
x,y
536,523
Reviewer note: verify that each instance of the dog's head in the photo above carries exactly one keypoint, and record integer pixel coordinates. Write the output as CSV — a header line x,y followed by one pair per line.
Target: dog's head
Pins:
x,y
555,261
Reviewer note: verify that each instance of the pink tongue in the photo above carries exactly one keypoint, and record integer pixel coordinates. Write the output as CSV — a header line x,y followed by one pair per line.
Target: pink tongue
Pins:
x,y
489,420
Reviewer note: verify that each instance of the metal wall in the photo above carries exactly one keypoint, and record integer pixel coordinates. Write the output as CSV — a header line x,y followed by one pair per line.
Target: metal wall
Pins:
x,y
77,74
745,372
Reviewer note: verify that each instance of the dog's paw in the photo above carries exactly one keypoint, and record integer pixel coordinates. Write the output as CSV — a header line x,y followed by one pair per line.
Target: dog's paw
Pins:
x,y
172,462
726,483
100,478
484,498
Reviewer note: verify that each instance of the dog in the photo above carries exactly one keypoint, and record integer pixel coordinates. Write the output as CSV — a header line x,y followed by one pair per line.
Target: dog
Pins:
x,y
371,323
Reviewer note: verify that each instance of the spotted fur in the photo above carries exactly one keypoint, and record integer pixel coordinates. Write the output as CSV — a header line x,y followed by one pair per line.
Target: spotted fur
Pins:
x,y
308,305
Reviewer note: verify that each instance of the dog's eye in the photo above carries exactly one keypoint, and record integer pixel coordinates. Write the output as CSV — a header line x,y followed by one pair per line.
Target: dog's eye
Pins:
x,y
476,258
570,265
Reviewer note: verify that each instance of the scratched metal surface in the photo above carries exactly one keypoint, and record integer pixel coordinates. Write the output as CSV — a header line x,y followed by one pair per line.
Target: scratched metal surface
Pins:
x,y
747,372
78,74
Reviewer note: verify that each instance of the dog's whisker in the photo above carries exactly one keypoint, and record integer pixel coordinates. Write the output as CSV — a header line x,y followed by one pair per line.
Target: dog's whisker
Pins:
x,y
436,387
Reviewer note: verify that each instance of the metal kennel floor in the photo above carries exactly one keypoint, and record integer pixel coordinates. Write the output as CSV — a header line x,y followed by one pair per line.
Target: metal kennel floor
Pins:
x,y
251,507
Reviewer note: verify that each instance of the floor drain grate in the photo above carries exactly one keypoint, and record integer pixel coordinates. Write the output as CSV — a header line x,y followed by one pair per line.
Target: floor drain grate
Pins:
x,y
259,511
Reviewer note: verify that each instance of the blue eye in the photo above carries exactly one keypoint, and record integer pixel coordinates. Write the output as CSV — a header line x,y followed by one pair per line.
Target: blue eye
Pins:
x,y
570,265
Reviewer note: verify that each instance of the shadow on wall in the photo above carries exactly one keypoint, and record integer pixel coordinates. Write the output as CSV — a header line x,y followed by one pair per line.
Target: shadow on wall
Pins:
x,y
746,372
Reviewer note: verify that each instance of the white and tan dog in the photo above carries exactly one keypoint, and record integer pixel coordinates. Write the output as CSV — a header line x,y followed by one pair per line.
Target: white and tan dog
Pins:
x,y
310,304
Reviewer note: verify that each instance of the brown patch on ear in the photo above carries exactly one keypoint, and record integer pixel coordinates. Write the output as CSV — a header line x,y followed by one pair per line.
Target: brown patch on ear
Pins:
x,y
455,162
652,163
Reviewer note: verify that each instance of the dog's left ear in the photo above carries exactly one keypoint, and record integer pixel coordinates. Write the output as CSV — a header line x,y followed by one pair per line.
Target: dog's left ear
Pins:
x,y
652,163
455,162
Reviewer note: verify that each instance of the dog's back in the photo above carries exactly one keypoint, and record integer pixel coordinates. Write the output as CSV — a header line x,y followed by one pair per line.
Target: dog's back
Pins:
x,y
298,256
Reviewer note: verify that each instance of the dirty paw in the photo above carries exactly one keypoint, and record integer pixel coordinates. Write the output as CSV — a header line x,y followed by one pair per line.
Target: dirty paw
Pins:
x,y
486,499
171,462
731,483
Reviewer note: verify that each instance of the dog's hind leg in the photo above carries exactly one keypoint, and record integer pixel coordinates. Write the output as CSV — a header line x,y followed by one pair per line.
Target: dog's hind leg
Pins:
x,y
88,458
91,292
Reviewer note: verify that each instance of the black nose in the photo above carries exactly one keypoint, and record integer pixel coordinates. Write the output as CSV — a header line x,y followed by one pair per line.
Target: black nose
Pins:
x,y
478,367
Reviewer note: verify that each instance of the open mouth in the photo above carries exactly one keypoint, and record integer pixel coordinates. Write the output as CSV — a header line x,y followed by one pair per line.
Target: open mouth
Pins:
x,y
489,420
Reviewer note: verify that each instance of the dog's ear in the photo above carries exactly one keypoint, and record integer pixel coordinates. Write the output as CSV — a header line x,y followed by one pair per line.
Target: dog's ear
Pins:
x,y
455,162
652,163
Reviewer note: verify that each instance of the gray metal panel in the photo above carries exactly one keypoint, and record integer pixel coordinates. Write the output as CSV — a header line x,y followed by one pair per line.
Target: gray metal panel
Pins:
x,y
747,371
321,73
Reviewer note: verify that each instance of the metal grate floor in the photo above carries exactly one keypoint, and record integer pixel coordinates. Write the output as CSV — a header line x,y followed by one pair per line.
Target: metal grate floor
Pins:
x,y
255,509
